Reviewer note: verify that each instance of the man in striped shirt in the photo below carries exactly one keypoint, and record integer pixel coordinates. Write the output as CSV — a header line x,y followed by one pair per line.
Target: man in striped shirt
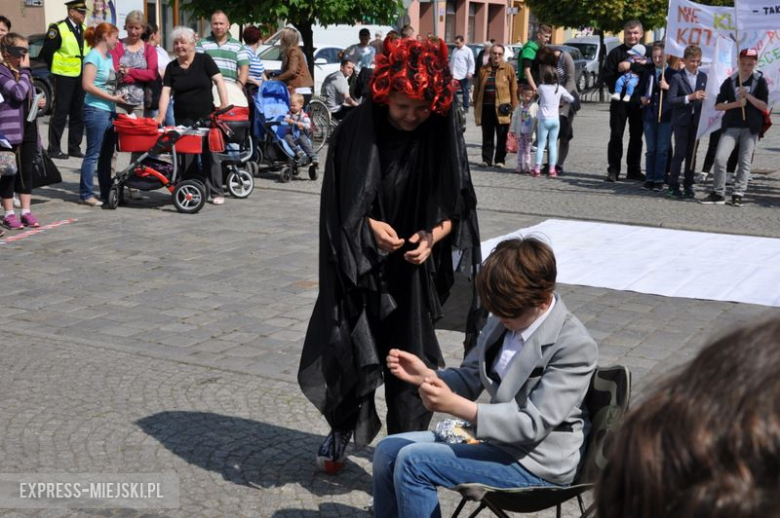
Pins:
x,y
230,55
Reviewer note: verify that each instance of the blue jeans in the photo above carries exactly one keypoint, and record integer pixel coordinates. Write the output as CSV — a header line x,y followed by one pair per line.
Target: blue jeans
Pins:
x,y
96,122
659,139
547,131
464,90
409,466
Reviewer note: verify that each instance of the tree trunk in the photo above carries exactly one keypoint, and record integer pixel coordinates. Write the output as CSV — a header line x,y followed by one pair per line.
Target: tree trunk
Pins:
x,y
307,35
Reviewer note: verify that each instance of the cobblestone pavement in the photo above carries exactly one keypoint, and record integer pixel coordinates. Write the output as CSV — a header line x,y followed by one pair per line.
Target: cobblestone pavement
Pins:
x,y
143,340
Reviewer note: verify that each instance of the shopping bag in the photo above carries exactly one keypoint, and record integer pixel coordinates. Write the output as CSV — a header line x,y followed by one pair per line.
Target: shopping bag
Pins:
x,y
511,143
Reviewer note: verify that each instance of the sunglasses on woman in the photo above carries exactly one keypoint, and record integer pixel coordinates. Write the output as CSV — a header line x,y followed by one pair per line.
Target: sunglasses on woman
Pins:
x,y
18,52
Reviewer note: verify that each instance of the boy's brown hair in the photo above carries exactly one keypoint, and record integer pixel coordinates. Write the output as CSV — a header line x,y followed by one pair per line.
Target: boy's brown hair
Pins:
x,y
692,51
520,274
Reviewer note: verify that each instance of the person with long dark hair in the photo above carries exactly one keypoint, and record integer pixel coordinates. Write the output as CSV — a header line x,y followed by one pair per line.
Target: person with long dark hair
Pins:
x,y
397,200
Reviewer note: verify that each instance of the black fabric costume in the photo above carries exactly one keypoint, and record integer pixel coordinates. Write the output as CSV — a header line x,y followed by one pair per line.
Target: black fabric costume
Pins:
x,y
370,301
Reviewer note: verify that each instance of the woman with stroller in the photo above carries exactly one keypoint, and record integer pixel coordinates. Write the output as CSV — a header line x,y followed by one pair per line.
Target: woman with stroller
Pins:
x,y
135,62
99,83
189,79
18,94
295,72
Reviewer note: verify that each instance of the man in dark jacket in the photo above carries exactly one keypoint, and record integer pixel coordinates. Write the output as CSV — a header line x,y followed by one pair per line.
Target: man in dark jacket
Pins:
x,y
616,64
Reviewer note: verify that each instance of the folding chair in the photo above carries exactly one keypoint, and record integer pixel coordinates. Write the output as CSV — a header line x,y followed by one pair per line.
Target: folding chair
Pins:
x,y
607,400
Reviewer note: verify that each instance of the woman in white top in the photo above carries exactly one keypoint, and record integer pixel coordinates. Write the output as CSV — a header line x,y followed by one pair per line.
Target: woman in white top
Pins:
x,y
548,123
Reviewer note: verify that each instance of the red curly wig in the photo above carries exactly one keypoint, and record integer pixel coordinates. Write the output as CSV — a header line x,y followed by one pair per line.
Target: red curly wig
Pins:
x,y
417,69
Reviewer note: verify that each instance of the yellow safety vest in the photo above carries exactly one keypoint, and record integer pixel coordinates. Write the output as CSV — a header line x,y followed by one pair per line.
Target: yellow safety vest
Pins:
x,y
67,60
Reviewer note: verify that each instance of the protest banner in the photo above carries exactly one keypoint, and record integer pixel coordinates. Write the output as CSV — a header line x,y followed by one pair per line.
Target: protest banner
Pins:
x,y
757,15
721,68
689,23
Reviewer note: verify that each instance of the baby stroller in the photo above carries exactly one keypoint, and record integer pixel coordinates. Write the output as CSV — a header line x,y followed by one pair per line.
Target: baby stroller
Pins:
x,y
272,102
235,151
148,172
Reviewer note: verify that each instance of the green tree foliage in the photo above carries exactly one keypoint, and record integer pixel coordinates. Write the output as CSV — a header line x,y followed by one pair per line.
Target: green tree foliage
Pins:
x,y
604,15
303,14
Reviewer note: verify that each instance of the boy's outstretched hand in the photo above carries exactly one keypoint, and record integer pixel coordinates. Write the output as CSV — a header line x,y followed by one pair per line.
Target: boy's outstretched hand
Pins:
x,y
438,397
408,367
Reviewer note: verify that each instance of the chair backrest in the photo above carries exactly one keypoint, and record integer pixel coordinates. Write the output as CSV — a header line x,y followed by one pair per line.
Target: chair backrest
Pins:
x,y
607,401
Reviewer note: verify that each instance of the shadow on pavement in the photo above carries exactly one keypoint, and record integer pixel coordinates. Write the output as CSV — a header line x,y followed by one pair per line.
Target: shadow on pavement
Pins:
x,y
329,509
252,453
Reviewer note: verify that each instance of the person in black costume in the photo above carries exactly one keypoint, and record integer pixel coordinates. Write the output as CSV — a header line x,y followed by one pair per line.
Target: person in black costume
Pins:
x,y
397,201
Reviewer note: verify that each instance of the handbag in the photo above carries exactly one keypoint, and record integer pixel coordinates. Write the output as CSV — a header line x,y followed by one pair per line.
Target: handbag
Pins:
x,y
511,143
766,123
153,89
505,108
9,165
44,171
152,93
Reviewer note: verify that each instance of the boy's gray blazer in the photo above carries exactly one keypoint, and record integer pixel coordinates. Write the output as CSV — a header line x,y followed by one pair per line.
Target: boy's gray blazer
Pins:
x,y
536,413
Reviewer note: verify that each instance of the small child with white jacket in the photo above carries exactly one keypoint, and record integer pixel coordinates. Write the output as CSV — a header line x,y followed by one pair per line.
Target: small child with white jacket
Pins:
x,y
549,124
523,126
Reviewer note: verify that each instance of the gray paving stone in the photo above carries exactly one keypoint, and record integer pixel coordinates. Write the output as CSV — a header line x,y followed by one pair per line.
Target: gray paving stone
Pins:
x,y
140,338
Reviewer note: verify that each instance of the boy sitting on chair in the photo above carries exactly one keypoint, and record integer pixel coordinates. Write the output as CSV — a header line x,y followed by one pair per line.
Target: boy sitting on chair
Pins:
x,y
536,361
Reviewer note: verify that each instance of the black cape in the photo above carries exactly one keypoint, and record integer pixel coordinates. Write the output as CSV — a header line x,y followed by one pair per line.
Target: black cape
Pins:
x,y
341,363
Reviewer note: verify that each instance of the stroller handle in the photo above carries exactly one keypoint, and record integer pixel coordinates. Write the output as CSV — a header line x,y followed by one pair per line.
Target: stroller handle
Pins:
x,y
222,111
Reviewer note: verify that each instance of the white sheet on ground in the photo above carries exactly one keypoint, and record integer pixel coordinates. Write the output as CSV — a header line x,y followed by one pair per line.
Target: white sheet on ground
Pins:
x,y
672,263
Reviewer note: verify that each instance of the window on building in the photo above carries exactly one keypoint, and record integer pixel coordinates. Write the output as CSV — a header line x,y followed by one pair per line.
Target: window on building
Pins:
x,y
472,22
449,21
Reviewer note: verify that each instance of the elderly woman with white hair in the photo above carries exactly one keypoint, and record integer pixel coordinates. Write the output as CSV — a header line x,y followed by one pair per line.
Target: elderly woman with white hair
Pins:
x,y
189,79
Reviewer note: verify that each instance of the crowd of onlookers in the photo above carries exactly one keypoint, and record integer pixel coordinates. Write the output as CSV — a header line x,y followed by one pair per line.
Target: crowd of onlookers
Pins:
x,y
658,97
526,111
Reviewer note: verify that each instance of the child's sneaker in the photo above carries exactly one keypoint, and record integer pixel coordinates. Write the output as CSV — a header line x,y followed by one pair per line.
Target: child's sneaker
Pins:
x,y
552,173
536,172
626,98
28,220
615,96
11,222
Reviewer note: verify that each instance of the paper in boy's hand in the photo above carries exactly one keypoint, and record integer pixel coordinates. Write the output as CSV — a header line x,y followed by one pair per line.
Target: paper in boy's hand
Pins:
x,y
456,431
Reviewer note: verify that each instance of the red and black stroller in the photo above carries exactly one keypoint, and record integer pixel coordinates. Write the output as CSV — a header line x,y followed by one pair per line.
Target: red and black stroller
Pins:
x,y
149,172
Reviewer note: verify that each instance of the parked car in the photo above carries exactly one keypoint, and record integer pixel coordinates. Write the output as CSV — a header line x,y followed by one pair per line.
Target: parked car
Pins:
x,y
41,76
581,76
326,61
515,59
593,52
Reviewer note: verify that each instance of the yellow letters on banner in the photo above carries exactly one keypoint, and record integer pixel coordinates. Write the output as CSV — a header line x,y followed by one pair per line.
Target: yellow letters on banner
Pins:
x,y
719,19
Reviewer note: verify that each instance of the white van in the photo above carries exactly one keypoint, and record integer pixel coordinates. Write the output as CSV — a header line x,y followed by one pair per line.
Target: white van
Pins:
x,y
593,52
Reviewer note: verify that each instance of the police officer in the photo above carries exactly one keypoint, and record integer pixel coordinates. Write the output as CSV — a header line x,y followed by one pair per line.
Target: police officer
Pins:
x,y
63,51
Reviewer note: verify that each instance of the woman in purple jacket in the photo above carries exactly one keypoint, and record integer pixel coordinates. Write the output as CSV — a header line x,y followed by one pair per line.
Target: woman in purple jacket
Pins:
x,y
18,96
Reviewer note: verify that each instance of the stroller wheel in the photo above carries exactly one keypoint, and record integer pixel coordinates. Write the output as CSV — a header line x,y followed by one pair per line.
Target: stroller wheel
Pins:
x,y
313,172
240,183
113,198
189,196
253,168
286,174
